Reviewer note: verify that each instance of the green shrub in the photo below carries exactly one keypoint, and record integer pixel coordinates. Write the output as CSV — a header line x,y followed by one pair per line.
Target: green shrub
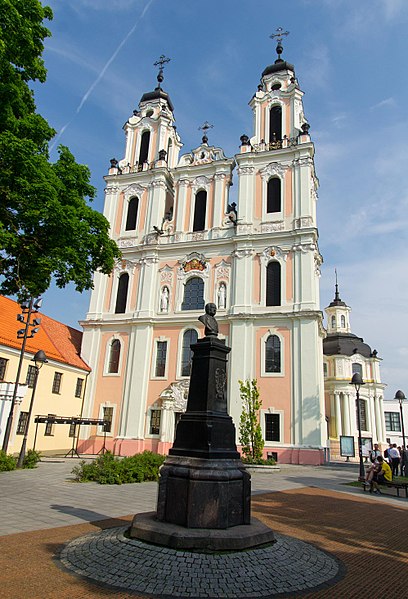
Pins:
x,y
107,469
31,459
258,461
7,462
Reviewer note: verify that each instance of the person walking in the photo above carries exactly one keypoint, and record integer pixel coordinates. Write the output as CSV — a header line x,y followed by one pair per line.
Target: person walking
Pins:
x,y
404,461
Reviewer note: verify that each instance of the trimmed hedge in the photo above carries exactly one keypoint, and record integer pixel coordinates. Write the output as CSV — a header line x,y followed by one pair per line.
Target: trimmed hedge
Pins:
x,y
7,462
107,469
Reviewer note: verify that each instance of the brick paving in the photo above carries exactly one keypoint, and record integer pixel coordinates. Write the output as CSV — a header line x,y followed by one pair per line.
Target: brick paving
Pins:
x,y
369,536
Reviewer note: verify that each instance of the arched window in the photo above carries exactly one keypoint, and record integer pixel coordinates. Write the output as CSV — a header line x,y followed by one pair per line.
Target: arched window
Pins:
x,y
199,211
333,321
273,201
131,218
121,296
193,294
275,123
144,147
114,355
273,284
343,321
273,354
189,337
357,369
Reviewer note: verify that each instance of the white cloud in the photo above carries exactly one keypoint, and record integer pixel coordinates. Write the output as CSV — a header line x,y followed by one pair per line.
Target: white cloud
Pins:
x,y
387,102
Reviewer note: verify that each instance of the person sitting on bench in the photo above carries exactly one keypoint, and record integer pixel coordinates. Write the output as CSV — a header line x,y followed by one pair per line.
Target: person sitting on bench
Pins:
x,y
378,475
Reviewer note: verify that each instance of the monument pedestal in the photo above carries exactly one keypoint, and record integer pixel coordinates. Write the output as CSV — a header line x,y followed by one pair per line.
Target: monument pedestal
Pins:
x,y
204,497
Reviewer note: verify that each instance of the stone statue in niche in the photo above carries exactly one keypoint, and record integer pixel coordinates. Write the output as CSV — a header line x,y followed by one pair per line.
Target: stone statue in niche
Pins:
x,y
164,300
209,322
222,296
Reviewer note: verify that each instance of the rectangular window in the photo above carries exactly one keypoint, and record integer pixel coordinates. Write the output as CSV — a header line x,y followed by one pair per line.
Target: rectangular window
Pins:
x,y
31,374
22,423
108,417
161,353
49,427
72,430
272,427
78,388
3,366
155,416
56,385
392,421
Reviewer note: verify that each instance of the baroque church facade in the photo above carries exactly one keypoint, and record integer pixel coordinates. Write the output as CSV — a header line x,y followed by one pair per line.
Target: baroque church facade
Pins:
x,y
184,244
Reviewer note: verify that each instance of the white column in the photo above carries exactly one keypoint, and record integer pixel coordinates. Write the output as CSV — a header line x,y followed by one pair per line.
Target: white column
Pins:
x,y
181,204
378,438
333,429
370,401
241,363
147,289
246,194
347,423
339,429
241,294
382,422
157,202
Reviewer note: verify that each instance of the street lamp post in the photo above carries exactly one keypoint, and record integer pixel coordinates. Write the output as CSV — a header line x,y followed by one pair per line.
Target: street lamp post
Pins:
x,y
39,360
24,334
357,381
401,397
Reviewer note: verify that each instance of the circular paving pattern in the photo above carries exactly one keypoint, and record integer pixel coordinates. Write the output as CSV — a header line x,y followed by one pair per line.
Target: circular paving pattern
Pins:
x,y
288,566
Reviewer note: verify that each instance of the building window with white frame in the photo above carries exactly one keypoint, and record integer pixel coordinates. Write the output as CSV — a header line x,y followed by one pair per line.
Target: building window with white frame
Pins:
x,y
161,356
78,387
392,422
272,427
273,284
131,217
155,418
193,294
272,354
56,384
189,337
108,418
273,195
122,292
200,208
114,356
275,124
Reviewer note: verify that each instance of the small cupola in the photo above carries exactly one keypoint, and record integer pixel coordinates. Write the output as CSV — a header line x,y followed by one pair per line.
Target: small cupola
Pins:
x,y
338,314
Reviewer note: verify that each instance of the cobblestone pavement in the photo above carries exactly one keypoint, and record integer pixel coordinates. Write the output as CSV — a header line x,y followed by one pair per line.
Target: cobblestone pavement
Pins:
x,y
369,535
111,558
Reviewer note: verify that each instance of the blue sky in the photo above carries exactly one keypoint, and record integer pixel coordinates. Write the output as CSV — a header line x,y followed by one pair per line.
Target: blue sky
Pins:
x,y
350,59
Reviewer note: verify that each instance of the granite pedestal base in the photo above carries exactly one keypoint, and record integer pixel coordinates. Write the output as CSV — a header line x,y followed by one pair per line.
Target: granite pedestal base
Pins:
x,y
202,493
146,527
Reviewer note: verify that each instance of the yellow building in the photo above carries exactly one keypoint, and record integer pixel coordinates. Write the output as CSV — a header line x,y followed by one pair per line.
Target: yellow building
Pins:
x,y
60,385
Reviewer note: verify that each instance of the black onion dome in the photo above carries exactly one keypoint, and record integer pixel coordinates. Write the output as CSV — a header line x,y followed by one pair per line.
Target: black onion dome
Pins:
x,y
156,95
278,65
345,344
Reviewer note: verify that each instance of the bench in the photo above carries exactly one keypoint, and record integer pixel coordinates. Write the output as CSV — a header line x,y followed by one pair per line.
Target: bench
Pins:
x,y
394,485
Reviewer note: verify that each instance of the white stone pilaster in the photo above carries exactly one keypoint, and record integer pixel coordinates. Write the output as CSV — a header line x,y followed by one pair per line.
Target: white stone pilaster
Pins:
x,y
219,208
181,204
337,407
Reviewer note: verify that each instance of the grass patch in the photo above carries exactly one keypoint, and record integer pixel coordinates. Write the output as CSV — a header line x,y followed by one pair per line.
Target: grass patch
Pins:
x,y
396,479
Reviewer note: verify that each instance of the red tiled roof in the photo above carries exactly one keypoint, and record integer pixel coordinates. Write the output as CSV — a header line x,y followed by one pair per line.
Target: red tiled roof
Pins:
x,y
59,341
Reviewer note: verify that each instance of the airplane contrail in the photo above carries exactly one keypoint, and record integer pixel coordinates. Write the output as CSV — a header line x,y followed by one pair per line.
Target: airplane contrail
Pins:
x,y
102,73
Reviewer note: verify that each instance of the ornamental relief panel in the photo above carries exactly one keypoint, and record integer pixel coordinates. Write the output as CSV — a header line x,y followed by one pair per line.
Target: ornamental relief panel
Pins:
x,y
304,247
175,397
194,262
273,251
273,168
222,270
166,275
272,227
133,190
246,170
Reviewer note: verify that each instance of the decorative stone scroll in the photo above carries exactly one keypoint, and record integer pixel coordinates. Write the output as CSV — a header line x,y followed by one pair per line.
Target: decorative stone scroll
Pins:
x,y
133,190
246,170
222,270
273,251
166,275
273,168
175,397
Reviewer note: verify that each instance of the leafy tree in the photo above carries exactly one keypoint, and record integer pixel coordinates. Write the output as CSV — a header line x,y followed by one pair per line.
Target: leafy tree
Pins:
x,y
250,433
47,228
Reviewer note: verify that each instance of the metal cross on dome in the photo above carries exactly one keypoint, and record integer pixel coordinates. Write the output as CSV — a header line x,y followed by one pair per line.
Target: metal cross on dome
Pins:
x,y
279,33
160,63
204,127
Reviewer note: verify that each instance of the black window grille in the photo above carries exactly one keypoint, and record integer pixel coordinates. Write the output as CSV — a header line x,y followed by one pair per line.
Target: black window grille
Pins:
x,y
121,297
56,384
78,387
114,355
155,417
272,427
49,427
31,374
273,202
273,284
273,354
199,211
22,423
193,294
132,214
3,368
275,123
144,147
161,353
189,337
392,421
